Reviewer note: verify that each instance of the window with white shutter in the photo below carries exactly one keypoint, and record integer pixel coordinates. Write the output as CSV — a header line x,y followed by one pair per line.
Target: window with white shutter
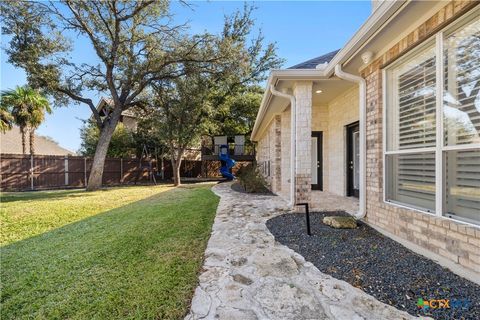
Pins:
x,y
432,125
411,131
461,122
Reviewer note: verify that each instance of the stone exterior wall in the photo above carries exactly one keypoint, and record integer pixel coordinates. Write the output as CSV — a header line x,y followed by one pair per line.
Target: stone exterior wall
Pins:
x,y
453,240
303,120
285,159
342,111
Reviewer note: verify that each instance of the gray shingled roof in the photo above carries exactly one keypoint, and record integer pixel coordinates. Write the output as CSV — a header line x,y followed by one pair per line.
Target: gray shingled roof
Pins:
x,y
312,63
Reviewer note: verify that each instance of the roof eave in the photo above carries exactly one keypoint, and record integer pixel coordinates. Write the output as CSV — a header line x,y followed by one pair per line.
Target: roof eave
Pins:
x,y
279,75
373,24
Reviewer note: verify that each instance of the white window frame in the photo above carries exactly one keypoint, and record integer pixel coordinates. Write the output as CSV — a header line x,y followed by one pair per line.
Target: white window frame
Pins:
x,y
440,148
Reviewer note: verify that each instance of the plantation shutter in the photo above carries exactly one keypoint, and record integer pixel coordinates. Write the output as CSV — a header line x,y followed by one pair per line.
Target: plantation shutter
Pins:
x,y
416,105
462,121
415,128
463,183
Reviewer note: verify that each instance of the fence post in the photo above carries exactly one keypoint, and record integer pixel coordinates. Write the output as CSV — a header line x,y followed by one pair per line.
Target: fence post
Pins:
x,y
121,170
31,171
85,171
66,170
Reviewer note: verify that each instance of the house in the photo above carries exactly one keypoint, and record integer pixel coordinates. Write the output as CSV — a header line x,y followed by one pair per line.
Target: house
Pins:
x,y
127,117
11,143
393,119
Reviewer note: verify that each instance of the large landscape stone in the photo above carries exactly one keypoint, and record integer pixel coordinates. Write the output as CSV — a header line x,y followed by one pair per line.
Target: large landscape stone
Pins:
x,y
340,222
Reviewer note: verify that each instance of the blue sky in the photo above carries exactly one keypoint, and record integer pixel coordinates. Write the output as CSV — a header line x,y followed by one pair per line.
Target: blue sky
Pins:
x,y
302,30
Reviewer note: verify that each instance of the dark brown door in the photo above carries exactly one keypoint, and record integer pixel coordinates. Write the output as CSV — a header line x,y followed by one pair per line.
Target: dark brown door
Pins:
x,y
353,160
317,160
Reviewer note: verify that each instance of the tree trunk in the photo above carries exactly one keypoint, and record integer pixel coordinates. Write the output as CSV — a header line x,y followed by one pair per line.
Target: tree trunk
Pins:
x,y
24,140
96,173
176,163
32,141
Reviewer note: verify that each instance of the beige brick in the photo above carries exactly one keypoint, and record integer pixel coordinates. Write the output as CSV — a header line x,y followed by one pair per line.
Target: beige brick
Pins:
x,y
469,264
468,247
421,236
462,229
456,235
420,223
448,255
470,231
474,241
414,228
453,226
439,230
437,243
475,258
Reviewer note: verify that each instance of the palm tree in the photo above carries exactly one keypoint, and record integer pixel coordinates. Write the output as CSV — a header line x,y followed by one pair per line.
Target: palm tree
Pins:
x,y
37,116
28,110
6,119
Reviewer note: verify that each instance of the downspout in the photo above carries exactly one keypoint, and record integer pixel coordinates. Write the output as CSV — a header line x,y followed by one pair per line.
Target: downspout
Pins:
x,y
293,138
363,141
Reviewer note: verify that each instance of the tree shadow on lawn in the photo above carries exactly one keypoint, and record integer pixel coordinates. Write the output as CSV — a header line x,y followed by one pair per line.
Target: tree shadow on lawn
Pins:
x,y
47,195
42,195
137,261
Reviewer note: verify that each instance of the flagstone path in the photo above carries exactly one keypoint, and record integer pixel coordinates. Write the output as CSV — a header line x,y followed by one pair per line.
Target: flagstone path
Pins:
x,y
248,275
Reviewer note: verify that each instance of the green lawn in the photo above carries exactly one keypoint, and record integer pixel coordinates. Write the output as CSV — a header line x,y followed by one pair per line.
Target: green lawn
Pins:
x,y
131,253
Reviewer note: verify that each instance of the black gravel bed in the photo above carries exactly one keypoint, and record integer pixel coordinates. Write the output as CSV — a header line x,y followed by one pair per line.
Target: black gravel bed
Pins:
x,y
378,265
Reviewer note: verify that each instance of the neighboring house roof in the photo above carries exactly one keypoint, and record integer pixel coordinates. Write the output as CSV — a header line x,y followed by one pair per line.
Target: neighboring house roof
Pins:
x,y
11,142
312,63
109,102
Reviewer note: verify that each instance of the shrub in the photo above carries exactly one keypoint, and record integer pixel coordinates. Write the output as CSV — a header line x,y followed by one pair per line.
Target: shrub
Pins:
x,y
251,179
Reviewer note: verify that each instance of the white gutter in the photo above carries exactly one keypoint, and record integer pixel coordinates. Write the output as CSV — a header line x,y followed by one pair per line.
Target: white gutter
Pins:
x,y
363,141
293,139
377,20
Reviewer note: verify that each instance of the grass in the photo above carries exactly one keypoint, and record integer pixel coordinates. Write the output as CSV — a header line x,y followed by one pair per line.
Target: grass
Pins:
x,y
130,253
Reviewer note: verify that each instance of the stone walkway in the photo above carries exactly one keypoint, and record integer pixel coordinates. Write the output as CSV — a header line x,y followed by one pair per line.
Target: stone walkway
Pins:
x,y
247,275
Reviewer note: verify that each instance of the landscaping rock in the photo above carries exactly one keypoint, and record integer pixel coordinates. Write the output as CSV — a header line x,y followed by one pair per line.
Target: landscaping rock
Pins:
x,y
340,222
378,266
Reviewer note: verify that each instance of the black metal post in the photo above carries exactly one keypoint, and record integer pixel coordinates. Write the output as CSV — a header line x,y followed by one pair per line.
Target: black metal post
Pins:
x,y
307,216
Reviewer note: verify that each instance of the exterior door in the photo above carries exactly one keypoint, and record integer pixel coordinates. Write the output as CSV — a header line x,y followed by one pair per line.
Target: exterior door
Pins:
x,y
353,160
317,161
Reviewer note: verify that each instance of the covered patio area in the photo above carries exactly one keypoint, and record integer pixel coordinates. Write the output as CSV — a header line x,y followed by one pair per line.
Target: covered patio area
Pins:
x,y
327,201
310,139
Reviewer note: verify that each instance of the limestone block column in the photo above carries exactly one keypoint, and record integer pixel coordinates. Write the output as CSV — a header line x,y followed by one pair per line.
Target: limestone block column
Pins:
x,y
303,174
277,155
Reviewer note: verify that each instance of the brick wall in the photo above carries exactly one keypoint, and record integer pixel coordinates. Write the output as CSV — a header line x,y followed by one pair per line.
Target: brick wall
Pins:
x,y
453,240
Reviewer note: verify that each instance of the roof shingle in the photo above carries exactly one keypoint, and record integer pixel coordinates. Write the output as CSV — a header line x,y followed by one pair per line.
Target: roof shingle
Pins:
x,y
312,63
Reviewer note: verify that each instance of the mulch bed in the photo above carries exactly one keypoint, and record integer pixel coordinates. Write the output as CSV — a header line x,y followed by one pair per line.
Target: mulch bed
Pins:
x,y
236,186
378,265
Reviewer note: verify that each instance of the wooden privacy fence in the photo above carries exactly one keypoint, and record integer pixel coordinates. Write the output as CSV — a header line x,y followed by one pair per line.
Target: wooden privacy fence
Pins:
x,y
25,172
